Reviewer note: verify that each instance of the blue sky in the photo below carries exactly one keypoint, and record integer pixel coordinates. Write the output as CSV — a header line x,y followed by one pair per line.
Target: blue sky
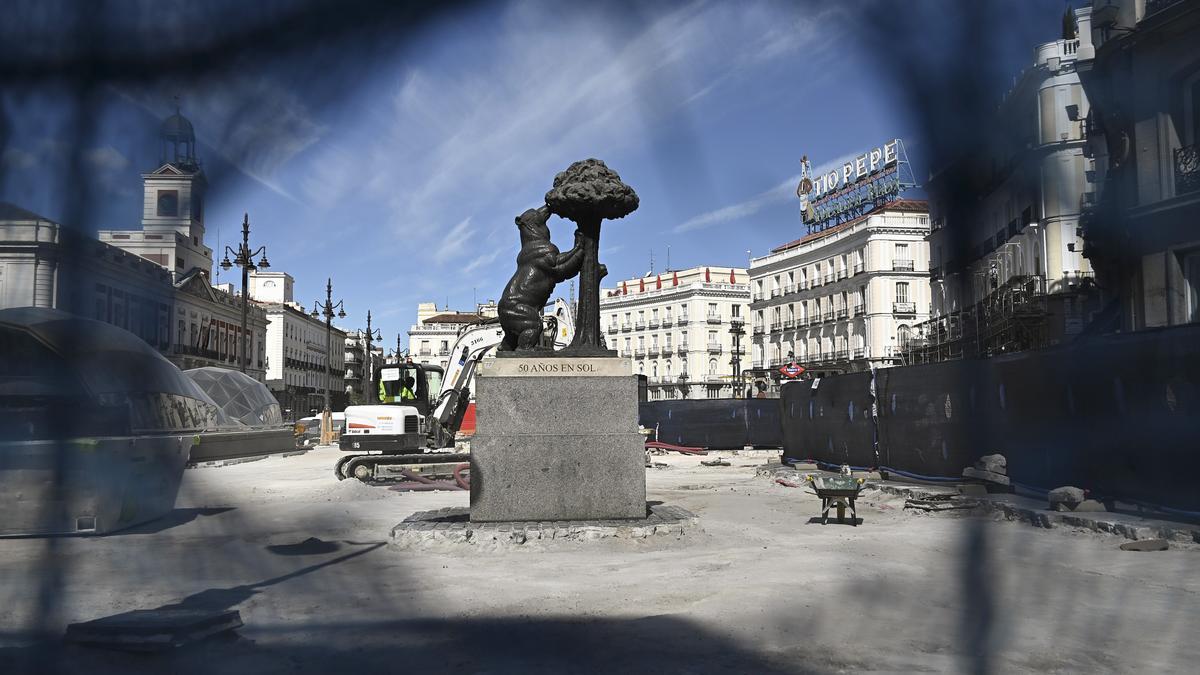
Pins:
x,y
399,173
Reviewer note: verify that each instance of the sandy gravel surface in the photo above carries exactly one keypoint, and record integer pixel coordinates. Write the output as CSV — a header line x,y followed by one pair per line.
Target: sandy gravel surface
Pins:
x,y
763,589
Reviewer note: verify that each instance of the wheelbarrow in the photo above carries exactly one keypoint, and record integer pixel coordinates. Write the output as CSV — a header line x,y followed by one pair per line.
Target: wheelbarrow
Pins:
x,y
839,491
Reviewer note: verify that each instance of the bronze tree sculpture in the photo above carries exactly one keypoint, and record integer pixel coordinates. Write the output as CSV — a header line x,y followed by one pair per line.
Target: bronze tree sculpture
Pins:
x,y
587,193
539,267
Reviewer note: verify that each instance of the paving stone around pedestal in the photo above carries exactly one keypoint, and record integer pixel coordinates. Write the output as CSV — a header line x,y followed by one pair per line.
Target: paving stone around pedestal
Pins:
x,y
453,525
557,447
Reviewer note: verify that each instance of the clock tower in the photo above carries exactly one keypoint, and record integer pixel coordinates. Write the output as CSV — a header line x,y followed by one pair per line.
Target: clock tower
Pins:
x,y
172,232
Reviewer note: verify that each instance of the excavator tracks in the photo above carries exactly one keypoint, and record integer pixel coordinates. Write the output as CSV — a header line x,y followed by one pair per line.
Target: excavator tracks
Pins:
x,y
383,468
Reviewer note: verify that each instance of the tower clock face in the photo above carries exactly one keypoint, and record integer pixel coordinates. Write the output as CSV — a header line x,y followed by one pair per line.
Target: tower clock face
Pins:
x,y
168,203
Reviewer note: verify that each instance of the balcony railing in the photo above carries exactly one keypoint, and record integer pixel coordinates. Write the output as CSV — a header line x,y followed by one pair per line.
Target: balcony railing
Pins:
x,y
682,349
612,328
828,316
843,313
775,292
757,297
652,324
859,310
858,353
858,269
625,328
425,352
652,352
639,353
1187,169
683,319
776,326
829,278
904,308
667,322
758,329
841,274
713,318
789,324
816,281
714,348
902,265
789,289
639,325
841,355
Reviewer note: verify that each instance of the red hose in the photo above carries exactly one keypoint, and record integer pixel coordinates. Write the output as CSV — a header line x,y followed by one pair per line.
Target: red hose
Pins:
x,y
683,449
464,483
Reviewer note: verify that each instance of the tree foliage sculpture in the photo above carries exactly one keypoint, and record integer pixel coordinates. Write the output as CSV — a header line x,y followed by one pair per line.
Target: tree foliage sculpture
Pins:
x,y
587,193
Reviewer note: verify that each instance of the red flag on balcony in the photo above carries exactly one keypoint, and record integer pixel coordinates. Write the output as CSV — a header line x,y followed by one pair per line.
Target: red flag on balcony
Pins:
x,y
624,289
658,283
641,284
707,275
732,277
674,278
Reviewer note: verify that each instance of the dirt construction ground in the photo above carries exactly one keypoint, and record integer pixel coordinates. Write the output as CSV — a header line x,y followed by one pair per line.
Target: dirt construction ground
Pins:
x,y
762,589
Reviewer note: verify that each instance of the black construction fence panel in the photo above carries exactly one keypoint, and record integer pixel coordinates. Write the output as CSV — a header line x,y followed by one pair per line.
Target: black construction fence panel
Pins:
x,y
763,428
828,420
708,423
930,417
1118,415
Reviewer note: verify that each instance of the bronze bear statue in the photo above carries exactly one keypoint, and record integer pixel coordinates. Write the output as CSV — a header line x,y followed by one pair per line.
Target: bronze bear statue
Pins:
x,y
539,267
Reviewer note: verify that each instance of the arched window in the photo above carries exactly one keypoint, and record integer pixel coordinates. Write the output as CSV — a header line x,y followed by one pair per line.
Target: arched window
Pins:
x,y
903,336
712,366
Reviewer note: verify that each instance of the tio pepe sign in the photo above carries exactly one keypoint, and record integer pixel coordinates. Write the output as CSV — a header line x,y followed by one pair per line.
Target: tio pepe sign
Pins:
x,y
863,167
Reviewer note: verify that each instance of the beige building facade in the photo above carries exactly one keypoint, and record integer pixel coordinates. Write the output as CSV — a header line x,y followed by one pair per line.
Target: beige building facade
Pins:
x,y
675,327
843,299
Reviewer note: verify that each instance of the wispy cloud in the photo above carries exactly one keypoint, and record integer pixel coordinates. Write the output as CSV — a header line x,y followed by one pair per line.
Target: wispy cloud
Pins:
x,y
472,147
254,123
744,209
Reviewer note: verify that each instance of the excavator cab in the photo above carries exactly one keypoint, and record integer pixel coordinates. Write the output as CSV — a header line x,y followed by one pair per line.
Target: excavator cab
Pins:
x,y
411,384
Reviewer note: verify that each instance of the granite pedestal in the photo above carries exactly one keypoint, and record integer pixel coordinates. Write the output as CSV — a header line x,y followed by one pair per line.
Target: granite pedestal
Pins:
x,y
557,440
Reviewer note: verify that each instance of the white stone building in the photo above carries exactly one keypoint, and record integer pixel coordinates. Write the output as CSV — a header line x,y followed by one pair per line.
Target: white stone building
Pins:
x,y
43,264
675,326
296,349
845,298
1007,265
191,322
434,333
360,368
1141,69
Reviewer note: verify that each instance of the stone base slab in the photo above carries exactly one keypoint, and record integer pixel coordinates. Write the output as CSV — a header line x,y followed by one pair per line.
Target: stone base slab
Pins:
x,y
557,440
547,477
454,526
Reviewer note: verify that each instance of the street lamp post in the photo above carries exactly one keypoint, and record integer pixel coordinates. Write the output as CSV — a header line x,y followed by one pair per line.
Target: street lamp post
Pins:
x,y
371,333
327,309
243,257
737,328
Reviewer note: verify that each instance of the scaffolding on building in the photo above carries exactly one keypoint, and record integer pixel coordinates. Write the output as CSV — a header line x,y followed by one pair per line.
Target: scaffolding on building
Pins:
x,y
1013,317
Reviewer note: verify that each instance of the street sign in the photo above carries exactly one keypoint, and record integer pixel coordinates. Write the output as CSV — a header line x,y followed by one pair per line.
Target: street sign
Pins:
x,y
791,370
